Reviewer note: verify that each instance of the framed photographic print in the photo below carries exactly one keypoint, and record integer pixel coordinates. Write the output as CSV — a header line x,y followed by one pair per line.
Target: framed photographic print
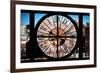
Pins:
x,y
48,36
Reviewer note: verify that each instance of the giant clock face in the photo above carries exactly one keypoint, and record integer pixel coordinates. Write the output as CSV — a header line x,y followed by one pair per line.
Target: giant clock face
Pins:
x,y
56,36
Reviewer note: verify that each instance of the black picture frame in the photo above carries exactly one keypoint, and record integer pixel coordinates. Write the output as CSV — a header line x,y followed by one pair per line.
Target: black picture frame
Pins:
x,y
13,35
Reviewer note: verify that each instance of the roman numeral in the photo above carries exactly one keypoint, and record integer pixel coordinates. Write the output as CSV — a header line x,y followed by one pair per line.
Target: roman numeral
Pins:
x,y
65,21
66,49
69,28
46,47
43,28
61,52
47,26
72,33
60,20
54,18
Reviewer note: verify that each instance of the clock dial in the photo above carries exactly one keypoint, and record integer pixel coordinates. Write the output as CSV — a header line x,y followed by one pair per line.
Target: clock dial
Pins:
x,y
55,36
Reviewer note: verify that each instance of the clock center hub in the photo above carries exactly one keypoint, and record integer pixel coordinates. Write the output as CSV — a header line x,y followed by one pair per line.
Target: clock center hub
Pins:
x,y
58,31
57,42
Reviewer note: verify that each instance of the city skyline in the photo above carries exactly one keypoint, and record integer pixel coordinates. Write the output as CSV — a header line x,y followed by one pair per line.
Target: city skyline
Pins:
x,y
25,18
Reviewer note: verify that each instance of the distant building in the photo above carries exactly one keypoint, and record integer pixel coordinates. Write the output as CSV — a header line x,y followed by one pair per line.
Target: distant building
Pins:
x,y
86,40
24,36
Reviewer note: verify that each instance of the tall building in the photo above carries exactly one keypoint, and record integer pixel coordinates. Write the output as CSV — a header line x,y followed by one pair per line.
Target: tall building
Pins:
x,y
23,39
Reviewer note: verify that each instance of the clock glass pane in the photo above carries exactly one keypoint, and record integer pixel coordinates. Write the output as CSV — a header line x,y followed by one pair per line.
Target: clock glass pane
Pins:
x,y
56,36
